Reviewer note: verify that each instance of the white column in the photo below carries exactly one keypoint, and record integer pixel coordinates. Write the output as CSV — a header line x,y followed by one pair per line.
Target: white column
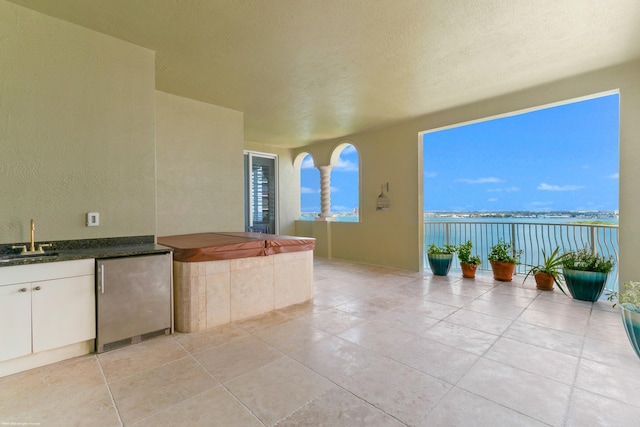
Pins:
x,y
325,194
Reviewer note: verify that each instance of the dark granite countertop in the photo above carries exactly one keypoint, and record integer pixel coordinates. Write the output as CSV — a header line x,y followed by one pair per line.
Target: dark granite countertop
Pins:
x,y
67,250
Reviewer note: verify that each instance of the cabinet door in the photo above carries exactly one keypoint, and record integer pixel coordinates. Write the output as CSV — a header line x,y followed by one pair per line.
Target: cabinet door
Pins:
x,y
15,321
63,312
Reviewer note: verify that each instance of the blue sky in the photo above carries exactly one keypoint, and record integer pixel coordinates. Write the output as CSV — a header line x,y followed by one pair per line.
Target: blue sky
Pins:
x,y
558,158
344,183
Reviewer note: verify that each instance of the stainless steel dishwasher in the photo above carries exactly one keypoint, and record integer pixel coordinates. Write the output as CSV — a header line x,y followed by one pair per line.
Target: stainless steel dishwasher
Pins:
x,y
134,299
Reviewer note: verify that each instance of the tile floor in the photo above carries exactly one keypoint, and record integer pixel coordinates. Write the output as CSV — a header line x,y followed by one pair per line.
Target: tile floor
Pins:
x,y
376,347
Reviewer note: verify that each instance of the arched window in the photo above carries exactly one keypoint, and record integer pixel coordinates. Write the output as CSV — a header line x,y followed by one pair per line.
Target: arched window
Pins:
x,y
309,186
345,183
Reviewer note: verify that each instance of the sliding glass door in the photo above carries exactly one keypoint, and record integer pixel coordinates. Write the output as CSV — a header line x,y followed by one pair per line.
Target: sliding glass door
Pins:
x,y
260,188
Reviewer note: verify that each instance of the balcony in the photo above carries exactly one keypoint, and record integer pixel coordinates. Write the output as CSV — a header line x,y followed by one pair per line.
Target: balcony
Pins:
x,y
529,237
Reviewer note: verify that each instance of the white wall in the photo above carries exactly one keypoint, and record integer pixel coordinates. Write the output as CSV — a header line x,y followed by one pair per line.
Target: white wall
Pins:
x,y
76,130
200,166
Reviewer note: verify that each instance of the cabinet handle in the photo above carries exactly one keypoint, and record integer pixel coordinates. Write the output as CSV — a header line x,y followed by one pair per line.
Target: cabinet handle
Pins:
x,y
23,289
102,277
37,288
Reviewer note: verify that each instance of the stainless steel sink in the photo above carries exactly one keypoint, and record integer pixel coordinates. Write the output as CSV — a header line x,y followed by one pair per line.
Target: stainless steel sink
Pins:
x,y
20,257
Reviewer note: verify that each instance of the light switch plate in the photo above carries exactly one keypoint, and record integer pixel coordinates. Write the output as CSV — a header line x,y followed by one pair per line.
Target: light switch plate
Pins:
x,y
93,219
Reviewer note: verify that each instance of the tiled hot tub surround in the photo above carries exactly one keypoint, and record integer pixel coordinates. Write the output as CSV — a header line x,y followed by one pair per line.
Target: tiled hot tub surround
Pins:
x,y
211,293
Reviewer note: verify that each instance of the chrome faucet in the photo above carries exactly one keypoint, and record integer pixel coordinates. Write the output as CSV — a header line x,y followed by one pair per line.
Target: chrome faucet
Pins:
x,y
32,246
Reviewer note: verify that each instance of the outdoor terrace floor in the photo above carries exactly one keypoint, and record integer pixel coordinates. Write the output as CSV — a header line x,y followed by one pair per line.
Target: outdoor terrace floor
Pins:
x,y
375,347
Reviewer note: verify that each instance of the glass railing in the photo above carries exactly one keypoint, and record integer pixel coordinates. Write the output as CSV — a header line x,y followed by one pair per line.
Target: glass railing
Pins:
x,y
531,238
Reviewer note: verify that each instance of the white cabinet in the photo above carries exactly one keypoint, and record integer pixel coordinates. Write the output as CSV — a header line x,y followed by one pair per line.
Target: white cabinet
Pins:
x,y
46,306
15,321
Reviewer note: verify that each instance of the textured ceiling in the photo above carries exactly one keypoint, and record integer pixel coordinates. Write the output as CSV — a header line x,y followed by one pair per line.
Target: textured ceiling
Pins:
x,y
308,70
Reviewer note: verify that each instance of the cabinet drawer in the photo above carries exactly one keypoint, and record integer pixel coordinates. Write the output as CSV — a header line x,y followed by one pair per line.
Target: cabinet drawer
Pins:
x,y
46,271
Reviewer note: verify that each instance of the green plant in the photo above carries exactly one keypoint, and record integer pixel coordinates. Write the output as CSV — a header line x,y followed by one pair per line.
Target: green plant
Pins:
x,y
629,298
584,260
446,249
551,265
504,252
464,254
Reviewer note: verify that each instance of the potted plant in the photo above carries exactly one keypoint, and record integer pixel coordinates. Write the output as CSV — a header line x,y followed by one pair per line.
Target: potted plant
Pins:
x,y
548,273
440,258
503,259
629,301
468,263
586,274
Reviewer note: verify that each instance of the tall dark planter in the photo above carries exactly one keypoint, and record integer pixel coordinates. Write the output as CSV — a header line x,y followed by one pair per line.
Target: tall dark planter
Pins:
x,y
440,263
631,322
585,285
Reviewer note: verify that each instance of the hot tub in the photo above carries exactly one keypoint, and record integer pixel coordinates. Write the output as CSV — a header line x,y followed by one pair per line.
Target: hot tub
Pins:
x,y
228,276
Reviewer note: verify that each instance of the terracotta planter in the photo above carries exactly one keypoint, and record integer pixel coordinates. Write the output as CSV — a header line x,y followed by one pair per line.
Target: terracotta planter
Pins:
x,y
544,281
585,285
468,270
440,263
502,271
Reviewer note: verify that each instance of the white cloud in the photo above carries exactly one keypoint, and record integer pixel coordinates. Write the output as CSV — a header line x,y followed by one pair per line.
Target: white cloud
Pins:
x,y
346,166
307,190
488,180
548,187
307,163
493,199
586,166
334,189
507,190
430,174
614,176
349,149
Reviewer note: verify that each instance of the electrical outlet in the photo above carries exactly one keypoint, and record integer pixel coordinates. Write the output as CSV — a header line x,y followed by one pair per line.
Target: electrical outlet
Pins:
x,y
93,219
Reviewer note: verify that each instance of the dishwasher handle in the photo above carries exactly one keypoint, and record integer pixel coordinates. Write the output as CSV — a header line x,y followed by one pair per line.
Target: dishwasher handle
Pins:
x,y
102,278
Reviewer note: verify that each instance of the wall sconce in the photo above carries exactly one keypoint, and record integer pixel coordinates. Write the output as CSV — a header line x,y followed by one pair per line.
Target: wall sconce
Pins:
x,y
382,203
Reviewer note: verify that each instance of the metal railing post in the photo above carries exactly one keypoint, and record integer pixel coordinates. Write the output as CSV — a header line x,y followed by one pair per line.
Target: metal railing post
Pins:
x,y
447,233
592,236
512,239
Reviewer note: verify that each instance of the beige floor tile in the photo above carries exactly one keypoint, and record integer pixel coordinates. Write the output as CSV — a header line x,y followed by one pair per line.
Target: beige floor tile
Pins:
x,y
141,395
215,407
93,407
291,335
535,396
278,389
495,309
376,337
229,361
605,332
432,309
337,408
48,385
443,297
613,382
569,310
466,290
336,358
199,341
551,339
459,408
611,318
411,322
439,360
263,321
589,409
504,298
332,321
403,392
461,337
133,359
365,309
480,321
297,310
537,360
611,353
554,321
331,299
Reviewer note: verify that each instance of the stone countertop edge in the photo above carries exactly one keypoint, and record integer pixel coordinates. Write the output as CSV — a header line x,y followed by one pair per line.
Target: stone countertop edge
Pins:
x,y
91,248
